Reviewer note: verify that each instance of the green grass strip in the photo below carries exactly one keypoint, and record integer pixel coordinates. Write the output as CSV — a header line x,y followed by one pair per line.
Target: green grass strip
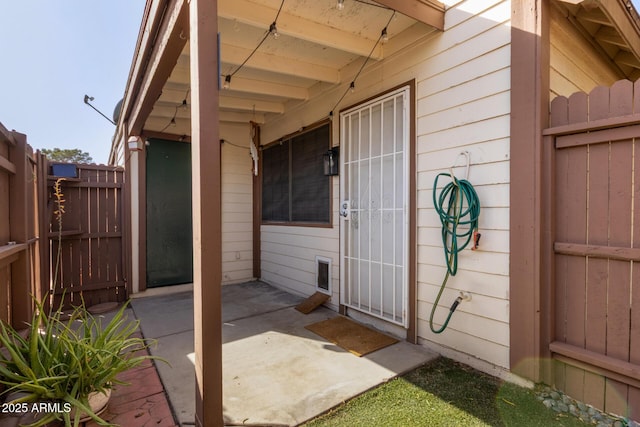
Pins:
x,y
445,393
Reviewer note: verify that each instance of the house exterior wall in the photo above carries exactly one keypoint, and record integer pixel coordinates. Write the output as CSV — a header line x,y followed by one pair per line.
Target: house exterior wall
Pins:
x,y
575,64
463,103
237,204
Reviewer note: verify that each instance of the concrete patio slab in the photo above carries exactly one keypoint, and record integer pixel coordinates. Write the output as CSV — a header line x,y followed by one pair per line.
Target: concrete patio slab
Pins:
x,y
275,372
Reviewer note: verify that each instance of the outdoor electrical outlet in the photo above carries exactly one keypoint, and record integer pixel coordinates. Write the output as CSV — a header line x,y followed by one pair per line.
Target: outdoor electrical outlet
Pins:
x,y
466,296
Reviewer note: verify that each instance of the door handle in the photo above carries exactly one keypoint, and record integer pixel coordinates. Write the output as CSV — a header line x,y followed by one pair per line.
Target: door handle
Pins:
x,y
344,209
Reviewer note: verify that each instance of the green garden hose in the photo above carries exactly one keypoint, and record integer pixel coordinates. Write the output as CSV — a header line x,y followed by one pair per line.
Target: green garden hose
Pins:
x,y
457,205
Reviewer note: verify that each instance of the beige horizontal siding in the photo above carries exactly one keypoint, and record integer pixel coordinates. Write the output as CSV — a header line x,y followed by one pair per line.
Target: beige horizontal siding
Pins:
x,y
482,87
487,284
237,205
289,253
483,349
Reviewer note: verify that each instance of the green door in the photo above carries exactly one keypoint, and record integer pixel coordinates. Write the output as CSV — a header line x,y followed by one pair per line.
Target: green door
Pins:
x,y
169,224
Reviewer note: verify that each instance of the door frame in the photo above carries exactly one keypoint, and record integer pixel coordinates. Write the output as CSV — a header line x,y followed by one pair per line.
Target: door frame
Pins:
x,y
411,179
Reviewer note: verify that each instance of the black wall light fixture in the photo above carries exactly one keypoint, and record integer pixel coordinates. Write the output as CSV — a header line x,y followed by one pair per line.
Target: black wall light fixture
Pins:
x,y
331,161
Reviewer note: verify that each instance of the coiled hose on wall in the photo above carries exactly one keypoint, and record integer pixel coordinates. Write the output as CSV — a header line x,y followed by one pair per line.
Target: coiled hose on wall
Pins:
x,y
458,207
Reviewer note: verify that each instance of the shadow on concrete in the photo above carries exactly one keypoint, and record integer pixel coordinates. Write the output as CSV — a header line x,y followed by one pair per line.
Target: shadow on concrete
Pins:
x,y
275,372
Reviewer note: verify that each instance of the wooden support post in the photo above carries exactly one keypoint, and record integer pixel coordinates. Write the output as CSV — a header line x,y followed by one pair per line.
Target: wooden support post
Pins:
x,y
257,203
207,224
21,280
529,117
125,212
141,222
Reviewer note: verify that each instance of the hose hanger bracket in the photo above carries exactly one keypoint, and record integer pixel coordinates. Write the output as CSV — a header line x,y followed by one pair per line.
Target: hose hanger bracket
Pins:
x,y
466,175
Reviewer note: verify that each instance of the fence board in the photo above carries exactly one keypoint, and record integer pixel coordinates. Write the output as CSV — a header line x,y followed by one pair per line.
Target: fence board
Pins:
x,y
578,107
597,229
44,215
561,262
599,103
574,378
620,232
572,228
106,207
608,135
616,397
604,362
5,298
559,112
593,386
5,233
634,403
591,126
571,167
93,244
622,94
564,163
7,166
593,251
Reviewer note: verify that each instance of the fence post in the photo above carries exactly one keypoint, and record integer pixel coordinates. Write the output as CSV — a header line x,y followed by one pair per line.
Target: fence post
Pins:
x,y
125,212
21,306
33,217
42,171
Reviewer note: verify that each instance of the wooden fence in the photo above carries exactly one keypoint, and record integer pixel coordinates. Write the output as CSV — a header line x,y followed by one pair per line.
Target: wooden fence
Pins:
x,y
79,253
594,146
19,223
86,257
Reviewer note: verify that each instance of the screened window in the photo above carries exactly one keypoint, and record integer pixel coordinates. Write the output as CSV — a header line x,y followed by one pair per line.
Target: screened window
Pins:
x,y
294,187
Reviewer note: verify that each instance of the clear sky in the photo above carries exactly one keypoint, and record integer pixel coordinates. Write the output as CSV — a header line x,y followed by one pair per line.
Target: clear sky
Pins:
x,y
56,51
53,52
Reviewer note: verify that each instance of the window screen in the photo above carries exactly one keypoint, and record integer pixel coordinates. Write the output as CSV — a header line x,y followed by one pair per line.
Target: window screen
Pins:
x,y
275,183
294,187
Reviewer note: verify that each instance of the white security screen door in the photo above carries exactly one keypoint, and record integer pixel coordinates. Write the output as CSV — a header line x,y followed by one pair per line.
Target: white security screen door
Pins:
x,y
373,207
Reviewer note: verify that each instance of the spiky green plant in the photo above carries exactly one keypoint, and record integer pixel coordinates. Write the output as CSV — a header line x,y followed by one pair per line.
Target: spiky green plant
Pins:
x,y
65,359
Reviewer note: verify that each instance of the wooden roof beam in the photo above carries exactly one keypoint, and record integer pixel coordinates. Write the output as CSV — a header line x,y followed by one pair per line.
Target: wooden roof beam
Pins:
x,y
184,125
261,16
242,104
610,35
626,21
239,117
168,110
595,15
289,66
627,58
174,92
163,124
240,84
430,12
